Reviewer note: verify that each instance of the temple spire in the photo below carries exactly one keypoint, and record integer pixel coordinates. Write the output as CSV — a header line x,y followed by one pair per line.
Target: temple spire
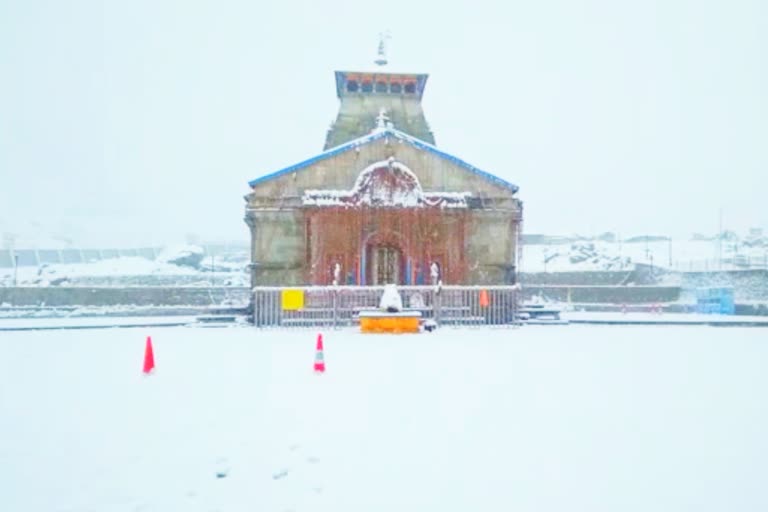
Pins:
x,y
376,98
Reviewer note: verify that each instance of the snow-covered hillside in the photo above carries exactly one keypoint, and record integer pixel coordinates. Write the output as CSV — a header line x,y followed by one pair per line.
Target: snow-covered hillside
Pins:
x,y
185,265
680,255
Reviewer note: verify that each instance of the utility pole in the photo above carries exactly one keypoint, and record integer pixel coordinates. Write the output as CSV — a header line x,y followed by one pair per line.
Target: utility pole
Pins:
x,y
670,252
15,270
720,240
650,257
621,259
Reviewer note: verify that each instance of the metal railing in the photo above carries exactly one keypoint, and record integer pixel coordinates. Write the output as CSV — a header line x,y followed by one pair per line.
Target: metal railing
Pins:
x,y
339,306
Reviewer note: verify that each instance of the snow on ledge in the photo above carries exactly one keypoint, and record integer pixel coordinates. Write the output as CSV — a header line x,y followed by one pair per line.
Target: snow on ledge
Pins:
x,y
387,183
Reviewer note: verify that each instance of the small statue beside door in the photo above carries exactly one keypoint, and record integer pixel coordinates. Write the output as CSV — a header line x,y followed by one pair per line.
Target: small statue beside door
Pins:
x,y
434,273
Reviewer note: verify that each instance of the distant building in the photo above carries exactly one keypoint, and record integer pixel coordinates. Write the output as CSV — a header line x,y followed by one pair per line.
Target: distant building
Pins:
x,y
382,203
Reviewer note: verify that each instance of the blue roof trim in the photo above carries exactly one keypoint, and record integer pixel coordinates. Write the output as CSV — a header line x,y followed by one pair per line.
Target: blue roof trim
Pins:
x,y
322,156
379,135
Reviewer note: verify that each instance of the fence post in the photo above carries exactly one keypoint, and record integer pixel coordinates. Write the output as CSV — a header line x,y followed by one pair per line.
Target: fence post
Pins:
x,y
335,297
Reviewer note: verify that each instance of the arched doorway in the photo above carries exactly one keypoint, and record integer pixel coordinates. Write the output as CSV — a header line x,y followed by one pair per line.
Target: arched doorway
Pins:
x,y
385,264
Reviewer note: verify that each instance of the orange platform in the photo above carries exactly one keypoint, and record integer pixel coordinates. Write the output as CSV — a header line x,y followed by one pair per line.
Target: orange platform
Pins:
x,y
394,323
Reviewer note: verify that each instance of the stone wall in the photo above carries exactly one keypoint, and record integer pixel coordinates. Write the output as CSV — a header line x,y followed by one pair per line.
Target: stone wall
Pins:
x,y
587,278
358,113
491,247
99,297
604,294
278,247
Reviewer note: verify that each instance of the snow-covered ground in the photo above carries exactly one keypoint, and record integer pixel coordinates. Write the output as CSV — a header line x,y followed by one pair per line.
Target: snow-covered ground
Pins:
x,y
645,317
538,418
102,321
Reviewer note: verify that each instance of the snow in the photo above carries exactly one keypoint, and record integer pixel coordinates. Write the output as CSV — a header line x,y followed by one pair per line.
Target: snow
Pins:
x,y
387,314
92,322
404,190
8,311
681,255
33,234
538,418
650,317
111,270
390,299
124,266
175,253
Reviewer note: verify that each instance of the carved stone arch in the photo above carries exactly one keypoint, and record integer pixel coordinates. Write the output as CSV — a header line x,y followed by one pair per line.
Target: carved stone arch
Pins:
x,y
388,183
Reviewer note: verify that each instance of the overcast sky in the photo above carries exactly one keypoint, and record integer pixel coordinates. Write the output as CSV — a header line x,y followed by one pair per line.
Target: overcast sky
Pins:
x,y
142,121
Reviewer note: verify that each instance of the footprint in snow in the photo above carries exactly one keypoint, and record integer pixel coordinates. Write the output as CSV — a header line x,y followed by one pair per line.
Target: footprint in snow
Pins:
x,y
280,474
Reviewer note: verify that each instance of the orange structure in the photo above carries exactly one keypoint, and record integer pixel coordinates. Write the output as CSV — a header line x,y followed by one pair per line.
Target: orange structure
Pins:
x,y
392,323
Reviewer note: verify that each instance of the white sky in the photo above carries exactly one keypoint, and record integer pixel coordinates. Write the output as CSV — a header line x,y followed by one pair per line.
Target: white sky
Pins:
x,y
142,121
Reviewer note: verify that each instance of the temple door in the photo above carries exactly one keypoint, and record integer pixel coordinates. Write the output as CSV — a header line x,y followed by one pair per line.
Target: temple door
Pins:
x,y
386,265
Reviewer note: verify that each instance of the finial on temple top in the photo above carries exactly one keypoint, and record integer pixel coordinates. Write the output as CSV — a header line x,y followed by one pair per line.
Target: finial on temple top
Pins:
x,y
381,54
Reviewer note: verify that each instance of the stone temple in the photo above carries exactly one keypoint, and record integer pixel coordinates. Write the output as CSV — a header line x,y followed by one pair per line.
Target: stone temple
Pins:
x,y
381,203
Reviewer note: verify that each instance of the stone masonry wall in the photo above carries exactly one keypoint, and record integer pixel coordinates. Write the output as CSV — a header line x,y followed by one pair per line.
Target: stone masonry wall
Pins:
x,y
278,247
604,294
149,296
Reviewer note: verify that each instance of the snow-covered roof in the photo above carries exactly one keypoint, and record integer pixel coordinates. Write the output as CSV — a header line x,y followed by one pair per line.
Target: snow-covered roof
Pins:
x,y
386,184
378,134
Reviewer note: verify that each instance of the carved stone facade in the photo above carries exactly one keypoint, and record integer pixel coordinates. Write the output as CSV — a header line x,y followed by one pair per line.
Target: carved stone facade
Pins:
x,y
383,206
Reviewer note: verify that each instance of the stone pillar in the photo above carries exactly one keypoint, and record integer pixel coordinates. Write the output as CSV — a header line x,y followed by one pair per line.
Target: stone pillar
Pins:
x,y
251,221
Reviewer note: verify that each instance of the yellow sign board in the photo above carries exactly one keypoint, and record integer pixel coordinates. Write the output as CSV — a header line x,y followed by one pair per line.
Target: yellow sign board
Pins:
x,y
292,299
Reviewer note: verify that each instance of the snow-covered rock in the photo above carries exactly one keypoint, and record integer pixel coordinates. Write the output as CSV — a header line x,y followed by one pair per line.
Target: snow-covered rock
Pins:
x,y
182,255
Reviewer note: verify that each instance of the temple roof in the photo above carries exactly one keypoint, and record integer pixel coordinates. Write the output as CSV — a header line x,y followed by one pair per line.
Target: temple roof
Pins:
x,y
377,134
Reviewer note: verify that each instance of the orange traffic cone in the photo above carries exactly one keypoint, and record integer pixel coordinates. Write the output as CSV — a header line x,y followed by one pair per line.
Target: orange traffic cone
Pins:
x,y
484,302
149,357
319,358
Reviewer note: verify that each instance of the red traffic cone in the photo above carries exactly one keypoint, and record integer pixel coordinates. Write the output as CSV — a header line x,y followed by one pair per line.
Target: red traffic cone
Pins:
x,y
319,358
149,357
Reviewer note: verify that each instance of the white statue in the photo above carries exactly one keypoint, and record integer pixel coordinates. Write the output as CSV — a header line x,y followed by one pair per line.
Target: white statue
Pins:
x,y
390,299
336,274
417,300
434,273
